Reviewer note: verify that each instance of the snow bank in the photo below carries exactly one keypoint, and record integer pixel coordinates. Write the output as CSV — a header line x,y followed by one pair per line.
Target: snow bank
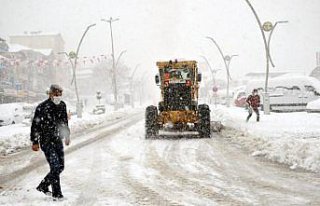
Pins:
x,y
289,138
13,138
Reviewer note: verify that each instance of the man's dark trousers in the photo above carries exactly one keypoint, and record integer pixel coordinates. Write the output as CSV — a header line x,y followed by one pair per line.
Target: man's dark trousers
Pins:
x,y
256,110
55,157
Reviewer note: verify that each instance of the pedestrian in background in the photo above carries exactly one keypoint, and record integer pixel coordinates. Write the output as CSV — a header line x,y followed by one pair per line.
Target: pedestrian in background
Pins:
x,y
253,101
49,128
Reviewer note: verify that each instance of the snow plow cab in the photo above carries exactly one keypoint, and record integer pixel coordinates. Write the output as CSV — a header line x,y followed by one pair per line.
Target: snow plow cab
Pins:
x,y
178,109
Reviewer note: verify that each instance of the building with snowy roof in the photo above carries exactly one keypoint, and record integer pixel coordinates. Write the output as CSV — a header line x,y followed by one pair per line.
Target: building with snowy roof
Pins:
x,y
26,72
40,41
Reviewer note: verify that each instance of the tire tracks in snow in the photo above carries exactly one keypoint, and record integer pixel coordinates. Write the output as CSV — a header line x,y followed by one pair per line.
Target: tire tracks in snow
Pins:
x,y
229,194
140,192
228,181
90,184
186,182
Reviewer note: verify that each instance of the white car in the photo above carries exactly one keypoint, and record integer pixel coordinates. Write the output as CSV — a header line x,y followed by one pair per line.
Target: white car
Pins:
x,y
11,114
314,106
99,109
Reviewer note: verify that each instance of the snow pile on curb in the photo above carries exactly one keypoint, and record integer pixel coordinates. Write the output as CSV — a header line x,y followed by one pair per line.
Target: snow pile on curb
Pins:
x,y
13,138
16,137
289,138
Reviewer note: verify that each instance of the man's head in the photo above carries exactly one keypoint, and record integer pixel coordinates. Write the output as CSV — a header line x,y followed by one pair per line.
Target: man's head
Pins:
x,y
254,91
55,93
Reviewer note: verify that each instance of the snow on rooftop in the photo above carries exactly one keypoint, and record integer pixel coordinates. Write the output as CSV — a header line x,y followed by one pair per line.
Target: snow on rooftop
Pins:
x,y
46,52
18,48
287,80
37,33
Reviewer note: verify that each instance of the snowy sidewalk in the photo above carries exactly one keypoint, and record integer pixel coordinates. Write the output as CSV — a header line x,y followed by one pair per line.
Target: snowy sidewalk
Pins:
x,y
289,138
16,137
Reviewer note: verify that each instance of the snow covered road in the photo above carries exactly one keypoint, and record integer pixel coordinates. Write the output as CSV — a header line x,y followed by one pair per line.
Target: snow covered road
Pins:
x,y
123,168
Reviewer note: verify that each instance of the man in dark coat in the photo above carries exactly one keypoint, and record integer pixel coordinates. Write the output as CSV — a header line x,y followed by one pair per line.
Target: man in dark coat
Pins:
x,y
254,103
49,127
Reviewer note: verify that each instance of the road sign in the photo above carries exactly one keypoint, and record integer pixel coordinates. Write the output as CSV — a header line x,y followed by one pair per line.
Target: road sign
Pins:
x,y
99,96
267,26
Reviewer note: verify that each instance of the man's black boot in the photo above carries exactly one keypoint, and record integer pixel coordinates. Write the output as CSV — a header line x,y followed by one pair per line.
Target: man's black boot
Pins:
x,y
44,189
57,197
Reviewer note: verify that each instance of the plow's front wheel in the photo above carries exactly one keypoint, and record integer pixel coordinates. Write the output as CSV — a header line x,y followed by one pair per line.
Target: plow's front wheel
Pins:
x,y
204,128
151,126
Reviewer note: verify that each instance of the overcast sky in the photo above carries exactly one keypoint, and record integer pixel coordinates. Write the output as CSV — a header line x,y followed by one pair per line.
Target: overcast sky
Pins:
x,y
152,30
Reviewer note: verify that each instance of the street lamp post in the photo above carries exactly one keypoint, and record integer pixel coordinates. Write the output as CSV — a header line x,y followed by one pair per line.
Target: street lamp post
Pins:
x,y
269,38
213,72
114,80
266,27
74,55
118,59
227,60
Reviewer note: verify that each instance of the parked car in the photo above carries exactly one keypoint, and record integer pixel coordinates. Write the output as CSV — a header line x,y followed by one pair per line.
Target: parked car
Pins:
x,y
99,109
288,93
11,113
29,110
240,99
314,106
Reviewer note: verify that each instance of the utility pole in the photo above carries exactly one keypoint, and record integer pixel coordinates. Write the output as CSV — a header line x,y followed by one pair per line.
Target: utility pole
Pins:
x,y
213,71
226,60
114,79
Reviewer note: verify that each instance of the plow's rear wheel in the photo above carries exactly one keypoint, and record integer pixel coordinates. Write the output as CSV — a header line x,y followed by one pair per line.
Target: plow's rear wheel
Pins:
x,y
151,126
204,121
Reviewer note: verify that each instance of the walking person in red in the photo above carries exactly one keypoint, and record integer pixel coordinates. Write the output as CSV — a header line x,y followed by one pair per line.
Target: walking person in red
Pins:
x,y
254,102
